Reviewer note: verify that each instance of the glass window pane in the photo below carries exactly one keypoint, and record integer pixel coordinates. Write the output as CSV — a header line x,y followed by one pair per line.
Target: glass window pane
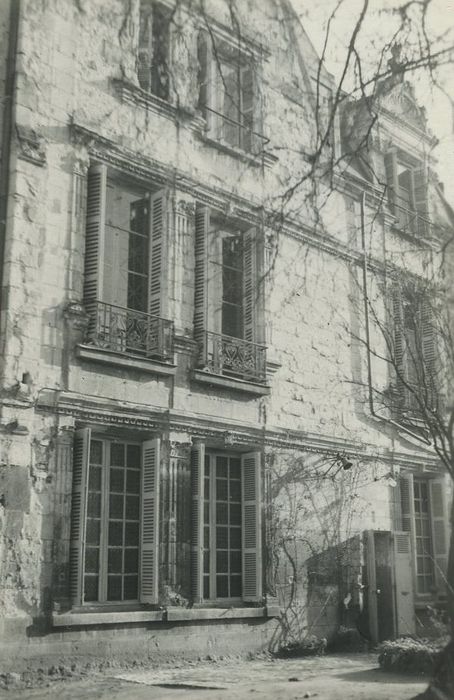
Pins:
x,y
235,562
221,490
130,587
137,296
93,531
206,561
222,562
235,514
206,512
134,456
232,320
235,468
131,560
94,478
206,537
235,538
132,507
115,560
206,587
235,491
222,587
132,534
206,487
96,452
94,505
235,587
114,587
116,506
221,513
221,467
222,537
133,481
91,560
138,253
90,589
117,454
117,480
115,533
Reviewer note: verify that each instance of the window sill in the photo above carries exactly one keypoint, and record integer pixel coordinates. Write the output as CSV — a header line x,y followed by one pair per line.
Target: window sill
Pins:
x,y
217,380
188,614
94,354
82,619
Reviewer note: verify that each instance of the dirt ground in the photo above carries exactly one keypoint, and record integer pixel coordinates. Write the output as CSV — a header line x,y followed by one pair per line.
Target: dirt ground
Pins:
x,y
352,677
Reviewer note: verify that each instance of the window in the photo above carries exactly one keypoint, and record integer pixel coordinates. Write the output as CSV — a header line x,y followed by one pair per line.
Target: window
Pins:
x,y
425,515
228,96
114,525
229,304
124,266
226,538
414,347
407,192
154,48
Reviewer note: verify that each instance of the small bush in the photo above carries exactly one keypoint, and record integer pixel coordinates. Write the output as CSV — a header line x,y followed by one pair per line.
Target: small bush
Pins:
x,y
408,655
309,646
348,639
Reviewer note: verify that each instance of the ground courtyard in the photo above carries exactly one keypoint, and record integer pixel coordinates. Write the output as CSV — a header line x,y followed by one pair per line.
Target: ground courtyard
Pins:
x,y
334,677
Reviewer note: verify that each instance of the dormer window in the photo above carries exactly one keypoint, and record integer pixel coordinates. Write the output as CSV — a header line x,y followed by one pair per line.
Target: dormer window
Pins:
x,y
406,181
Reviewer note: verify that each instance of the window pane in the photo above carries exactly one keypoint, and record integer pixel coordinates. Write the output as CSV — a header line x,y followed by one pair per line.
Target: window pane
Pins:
x,y
131,561
221,489
94,478
96,452
235,469
91,589
132,533
222,537
232,320
117,480
235,587
235,514
133,481
222,562
115,533
137,298
117,454
206,562
114,587
235,490
221,513
132,507
206,587
91,560
116,506
221,467
130,588
115,561
134,456
93,531
222,586
94,505
235,562
235,537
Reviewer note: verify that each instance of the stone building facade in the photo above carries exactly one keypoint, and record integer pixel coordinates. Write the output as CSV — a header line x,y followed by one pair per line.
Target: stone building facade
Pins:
x,y
189,447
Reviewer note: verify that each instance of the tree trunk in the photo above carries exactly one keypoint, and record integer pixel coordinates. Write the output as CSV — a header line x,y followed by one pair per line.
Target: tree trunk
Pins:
x,y
441,686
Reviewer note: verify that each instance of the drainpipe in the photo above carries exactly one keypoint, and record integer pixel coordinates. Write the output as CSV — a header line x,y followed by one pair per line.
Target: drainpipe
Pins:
x,y
7,131
394,423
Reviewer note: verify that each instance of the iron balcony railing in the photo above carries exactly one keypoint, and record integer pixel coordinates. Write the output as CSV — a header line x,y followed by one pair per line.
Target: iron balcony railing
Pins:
x,y
409,220
129,332
234,357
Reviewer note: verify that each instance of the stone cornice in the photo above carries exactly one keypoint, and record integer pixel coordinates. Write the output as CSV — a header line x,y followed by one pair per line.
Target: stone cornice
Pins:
x,y
110,412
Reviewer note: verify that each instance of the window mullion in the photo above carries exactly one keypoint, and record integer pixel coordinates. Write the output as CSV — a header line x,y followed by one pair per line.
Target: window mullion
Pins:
x,y
104,534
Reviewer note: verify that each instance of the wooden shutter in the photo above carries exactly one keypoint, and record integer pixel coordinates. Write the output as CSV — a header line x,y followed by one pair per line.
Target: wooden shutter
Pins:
x,y
149,522
158,247
398,358
391,179
81,455
250,287
197,490
429,350
395,506
407,502
440,531
251,506
420,192
95,233
403,584
202,225
145,50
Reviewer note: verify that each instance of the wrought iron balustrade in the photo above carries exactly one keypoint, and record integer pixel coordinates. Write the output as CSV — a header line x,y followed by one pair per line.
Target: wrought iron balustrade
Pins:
x,y
410,220
234,357
129,332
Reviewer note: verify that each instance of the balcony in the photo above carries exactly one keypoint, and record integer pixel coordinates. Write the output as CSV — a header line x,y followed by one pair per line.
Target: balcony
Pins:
x,y
232,357
129,332
409,220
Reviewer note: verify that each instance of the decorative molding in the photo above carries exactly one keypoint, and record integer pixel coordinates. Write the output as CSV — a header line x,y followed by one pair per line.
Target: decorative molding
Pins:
x,y
180,450
76,316
31,145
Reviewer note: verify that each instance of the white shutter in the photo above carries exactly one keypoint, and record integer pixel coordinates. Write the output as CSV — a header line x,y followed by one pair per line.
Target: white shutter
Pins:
x,y
398,358
440,531
250,287
158,251
251,507
404,586
95,233
429,351
81,455
197,491
149,522
391,179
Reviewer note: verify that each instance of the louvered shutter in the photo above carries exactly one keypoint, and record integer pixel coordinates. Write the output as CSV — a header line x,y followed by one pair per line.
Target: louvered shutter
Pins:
x,y
421,200
395,506
251,509
440,530
149,522
95,234
247,108
398,358
429,351
391,179
250,287
197,492
145,49
202,224
158,251
81,455
404,590
407,502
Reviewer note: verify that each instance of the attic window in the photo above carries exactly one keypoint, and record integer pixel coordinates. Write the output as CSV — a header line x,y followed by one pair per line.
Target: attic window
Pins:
x,y
407,184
